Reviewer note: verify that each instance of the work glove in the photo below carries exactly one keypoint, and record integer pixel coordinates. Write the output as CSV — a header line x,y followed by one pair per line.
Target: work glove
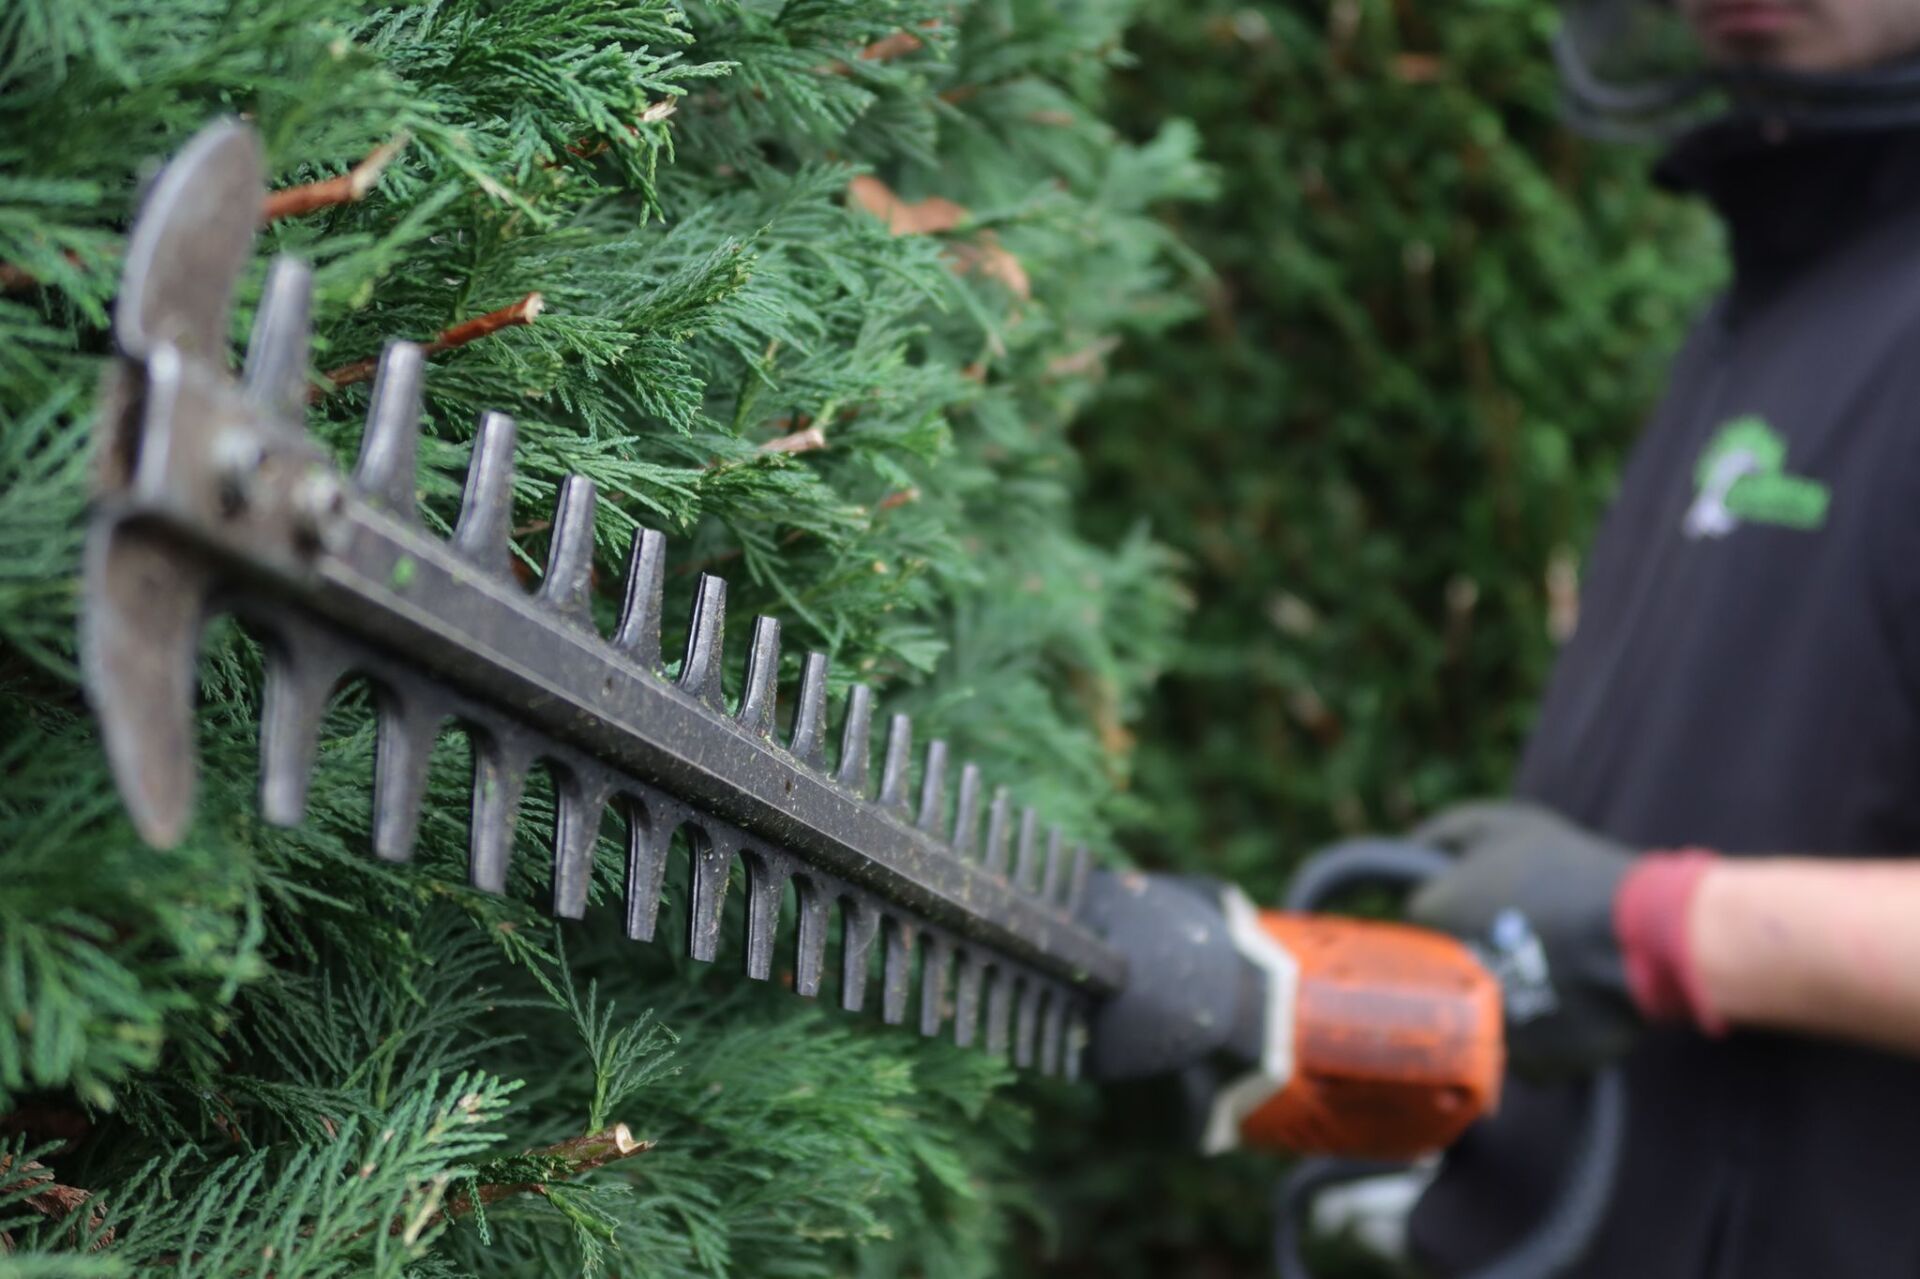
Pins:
x,y
1582,958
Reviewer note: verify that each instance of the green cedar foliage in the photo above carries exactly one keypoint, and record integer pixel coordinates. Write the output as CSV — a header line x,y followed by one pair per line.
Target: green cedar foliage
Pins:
x,y
265,1053
1436,322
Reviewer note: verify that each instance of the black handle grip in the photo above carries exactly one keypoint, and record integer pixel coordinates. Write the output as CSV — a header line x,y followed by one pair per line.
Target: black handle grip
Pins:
x,y
1362,863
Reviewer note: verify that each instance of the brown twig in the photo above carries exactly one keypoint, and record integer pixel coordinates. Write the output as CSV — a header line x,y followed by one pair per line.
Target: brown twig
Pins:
x,y
885,49
289,202
1088,359
17,279
897,45
54,1200
347,188
588,148
580,1154
802,441
525,311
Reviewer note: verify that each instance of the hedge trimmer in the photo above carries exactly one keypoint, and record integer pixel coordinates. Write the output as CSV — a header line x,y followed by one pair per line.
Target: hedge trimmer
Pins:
x,y
1287,1029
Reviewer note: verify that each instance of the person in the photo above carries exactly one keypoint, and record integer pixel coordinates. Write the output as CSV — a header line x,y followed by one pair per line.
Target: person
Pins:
x,y
1713,837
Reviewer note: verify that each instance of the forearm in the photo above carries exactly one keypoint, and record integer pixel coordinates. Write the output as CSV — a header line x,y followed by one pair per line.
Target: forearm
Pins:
x,y
1821,947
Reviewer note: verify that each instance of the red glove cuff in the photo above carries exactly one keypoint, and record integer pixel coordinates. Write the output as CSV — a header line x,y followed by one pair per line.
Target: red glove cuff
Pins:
x,y
1650,919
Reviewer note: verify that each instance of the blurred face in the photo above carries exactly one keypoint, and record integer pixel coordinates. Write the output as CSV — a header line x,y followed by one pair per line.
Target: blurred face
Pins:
x,y
1805,35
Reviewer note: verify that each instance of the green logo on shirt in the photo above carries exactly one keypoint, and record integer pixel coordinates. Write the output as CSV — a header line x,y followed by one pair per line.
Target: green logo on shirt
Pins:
x,y
1742,479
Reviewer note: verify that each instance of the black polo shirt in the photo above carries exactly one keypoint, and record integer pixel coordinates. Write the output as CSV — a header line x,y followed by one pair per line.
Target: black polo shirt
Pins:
x,y
1745,676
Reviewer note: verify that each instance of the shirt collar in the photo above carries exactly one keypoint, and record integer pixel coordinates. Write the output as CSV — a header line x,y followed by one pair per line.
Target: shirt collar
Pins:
x,y
1787,198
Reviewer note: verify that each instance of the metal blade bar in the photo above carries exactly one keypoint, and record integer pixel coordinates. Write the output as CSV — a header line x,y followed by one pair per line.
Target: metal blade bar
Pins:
x,y
215,500
405,591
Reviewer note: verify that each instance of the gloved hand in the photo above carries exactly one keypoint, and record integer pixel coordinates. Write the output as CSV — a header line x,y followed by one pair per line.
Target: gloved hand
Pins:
x,y
1535,896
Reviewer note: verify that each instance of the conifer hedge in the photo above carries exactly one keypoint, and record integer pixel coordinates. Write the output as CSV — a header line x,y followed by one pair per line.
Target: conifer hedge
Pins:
x,y
1434,323
819,286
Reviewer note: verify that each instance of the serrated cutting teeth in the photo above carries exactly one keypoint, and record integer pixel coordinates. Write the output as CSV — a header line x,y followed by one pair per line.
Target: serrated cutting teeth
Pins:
x,y
966,998
500,767
854,747
933,789
763,670
999,829
387,470
650,830
810,943
406,726
896,971
486,508
893,773
579,802
1054,873
859,926
303,668
567,587
808,743
276,369
712,868
1026,865
638,635
966,818
700,673
213,498
936,966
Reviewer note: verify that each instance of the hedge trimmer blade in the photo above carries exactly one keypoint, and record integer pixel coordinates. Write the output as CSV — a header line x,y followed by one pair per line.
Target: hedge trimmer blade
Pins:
x,y
212,499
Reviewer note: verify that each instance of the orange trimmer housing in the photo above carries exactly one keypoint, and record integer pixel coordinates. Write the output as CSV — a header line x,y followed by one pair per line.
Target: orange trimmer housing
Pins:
x,y
1397,1040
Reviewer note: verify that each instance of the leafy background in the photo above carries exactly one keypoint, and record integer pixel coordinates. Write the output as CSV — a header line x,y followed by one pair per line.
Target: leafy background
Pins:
x,y
1287,348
